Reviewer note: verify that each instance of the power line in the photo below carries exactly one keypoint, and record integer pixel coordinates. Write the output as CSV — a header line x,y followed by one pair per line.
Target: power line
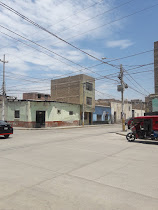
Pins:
x,y
87,67
139,11
99,78
77,13
73,15
93,17
53,51
137,82
44,29
136,90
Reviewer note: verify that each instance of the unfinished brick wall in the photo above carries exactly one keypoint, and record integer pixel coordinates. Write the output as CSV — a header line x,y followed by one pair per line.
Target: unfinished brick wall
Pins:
x,y
70,89
36,96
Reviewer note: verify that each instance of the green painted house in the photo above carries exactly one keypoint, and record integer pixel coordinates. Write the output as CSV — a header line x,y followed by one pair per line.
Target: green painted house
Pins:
x,y
30,113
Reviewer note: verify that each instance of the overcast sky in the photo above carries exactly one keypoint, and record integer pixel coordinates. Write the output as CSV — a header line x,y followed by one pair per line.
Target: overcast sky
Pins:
x,y
103,28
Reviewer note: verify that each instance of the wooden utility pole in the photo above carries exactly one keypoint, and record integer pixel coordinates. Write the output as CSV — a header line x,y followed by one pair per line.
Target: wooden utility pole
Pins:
x,y
3,88
122,97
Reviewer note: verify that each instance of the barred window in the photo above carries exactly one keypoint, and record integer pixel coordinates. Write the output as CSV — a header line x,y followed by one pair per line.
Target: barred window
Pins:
x,y
58,111
89,101
71,113
89,86
17,114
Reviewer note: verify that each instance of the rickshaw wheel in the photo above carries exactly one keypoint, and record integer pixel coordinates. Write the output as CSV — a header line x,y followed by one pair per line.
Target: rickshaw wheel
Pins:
x,y
130,137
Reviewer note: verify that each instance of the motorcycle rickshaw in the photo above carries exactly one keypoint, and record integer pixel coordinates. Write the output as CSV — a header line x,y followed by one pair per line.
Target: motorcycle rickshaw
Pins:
x,y
145,127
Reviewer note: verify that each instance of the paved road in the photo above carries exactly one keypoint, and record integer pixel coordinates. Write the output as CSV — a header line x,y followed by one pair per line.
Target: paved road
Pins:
x,y
88,168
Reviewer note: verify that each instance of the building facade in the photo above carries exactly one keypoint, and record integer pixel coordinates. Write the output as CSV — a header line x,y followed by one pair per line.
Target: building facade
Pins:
x,y
28,113
79,89
116,109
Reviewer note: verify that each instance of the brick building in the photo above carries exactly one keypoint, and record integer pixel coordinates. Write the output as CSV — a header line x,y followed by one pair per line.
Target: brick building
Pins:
x,y
36,96
79,89
138,104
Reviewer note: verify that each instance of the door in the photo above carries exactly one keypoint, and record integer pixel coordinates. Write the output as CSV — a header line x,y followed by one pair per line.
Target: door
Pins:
x,y
90,118
40,119
114,117
133,114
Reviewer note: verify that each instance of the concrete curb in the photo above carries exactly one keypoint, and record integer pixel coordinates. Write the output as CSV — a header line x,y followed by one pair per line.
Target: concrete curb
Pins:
x,y
121,134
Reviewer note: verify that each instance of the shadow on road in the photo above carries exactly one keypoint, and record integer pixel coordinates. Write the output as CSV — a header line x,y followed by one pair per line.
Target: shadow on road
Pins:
x,y
146,142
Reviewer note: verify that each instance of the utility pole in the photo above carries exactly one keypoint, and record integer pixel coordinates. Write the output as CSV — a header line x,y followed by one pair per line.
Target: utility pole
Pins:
x,y
121,89
83,106
122,96
3,88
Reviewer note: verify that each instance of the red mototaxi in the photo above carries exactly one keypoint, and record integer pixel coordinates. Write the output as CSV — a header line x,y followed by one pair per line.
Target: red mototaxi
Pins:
x,y
145,127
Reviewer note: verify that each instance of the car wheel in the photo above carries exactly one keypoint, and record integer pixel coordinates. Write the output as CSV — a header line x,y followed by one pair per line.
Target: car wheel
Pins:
x,y
130,137
6,136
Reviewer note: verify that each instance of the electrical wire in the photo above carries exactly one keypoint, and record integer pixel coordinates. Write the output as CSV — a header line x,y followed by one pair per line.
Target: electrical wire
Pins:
x,y
93,17
44,29
80,34
83,68
54,52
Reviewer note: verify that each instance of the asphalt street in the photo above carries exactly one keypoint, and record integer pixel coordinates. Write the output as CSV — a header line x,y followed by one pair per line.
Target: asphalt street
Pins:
x,y
90,168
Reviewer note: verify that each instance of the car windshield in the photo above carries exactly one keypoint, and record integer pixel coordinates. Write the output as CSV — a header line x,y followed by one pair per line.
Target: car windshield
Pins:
x,y
3,122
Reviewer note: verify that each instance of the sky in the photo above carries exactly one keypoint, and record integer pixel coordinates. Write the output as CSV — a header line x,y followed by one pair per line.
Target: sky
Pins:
x,y
103,28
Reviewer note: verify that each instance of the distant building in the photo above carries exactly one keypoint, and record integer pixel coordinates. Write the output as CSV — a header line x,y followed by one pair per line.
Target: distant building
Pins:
x,y
36,96
79,89
116,109
138,104
102,115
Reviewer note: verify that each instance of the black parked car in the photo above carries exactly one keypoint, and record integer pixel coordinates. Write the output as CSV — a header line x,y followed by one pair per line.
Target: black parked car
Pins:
x,y
5,129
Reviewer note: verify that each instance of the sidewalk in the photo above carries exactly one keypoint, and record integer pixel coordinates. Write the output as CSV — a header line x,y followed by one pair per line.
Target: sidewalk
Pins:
x,y
61,127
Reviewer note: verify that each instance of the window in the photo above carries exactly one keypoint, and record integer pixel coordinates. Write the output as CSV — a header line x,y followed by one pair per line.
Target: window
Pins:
x,y
17,114
39,95
129,108
71,113
89,101
89,86
46,96
58,111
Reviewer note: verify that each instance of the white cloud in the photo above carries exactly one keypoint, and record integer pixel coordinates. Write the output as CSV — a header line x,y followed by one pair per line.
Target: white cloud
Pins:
x,y
122,44
50,14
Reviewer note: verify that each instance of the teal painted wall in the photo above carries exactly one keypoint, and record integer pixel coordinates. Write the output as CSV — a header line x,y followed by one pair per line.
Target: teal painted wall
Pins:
x,y
51,109
155,105
17,105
